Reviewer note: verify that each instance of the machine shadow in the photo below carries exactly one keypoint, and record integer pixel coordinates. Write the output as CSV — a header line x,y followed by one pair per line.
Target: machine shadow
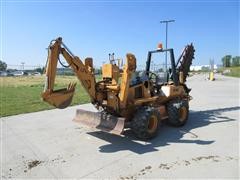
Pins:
x,y
166,134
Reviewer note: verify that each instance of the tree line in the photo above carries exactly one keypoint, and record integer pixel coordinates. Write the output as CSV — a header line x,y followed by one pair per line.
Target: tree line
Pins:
x,y
229,61
3,66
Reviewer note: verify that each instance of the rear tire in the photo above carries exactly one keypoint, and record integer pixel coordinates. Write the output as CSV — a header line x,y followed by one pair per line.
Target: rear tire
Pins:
x,y
177,112
146,122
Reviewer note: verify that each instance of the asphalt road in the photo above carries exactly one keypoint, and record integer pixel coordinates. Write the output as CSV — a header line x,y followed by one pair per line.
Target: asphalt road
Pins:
x,y
48,144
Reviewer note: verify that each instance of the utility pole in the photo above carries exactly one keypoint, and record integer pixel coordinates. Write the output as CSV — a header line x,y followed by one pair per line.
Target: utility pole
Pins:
x,y
166,22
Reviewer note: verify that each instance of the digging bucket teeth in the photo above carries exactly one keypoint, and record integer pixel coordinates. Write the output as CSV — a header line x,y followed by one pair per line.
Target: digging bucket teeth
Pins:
x,y
61,98
100,120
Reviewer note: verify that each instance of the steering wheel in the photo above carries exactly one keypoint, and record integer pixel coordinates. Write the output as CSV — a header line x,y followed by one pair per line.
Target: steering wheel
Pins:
x,y
153,77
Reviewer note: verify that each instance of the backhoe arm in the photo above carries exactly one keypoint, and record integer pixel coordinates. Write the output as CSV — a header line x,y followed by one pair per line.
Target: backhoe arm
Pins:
x,y
62,98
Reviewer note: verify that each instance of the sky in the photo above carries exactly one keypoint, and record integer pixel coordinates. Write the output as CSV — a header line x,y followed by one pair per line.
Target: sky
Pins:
x,y
97,28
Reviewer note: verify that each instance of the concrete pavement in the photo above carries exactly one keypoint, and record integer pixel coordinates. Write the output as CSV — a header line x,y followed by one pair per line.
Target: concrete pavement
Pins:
x,y
48,144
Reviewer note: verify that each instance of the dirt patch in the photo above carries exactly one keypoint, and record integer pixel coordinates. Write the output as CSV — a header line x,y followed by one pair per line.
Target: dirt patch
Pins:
x,y
33,164
187,163
164,166
214,158
148,167
168,166
141,173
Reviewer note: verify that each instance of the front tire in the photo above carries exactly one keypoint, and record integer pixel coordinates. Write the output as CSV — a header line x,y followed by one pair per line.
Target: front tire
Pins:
x,y
146,122
178,111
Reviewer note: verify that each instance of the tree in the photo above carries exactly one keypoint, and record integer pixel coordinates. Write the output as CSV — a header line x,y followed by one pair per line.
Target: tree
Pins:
x,y
226,60
205,69
3,66
236,61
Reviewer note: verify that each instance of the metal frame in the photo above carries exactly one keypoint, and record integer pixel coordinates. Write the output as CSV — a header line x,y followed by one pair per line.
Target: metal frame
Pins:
x,y
173,66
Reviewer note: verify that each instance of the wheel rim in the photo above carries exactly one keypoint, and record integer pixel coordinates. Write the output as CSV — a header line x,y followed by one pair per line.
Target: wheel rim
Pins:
x,y
182,114
152,124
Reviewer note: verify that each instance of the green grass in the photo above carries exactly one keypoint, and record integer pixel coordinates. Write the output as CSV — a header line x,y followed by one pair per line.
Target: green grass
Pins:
x,y
233,71
22,94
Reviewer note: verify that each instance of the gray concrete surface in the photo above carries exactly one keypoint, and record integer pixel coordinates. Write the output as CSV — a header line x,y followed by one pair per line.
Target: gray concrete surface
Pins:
x,y
48,144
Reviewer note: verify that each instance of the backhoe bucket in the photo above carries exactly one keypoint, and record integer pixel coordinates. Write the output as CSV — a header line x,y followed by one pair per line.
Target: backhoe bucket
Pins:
x,y
100,120
61,98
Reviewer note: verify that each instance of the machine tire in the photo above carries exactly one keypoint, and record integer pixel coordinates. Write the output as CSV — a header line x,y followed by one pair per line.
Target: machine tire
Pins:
x,y
177,112
146,122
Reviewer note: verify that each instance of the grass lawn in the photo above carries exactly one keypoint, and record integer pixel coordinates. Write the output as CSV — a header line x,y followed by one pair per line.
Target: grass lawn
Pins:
x,y
233,71
22,94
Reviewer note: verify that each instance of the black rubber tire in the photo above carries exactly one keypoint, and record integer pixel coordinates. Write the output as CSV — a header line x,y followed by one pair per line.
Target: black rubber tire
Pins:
x,y
174,108
141,122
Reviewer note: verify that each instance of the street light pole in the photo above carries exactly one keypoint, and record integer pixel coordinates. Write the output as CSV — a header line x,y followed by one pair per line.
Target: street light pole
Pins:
x,y
166,22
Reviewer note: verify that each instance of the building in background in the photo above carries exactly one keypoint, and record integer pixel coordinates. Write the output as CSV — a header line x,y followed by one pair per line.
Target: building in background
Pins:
x,y
204,67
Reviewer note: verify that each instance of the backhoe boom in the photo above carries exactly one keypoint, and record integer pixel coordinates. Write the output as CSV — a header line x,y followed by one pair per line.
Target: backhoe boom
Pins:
x,y
62,98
